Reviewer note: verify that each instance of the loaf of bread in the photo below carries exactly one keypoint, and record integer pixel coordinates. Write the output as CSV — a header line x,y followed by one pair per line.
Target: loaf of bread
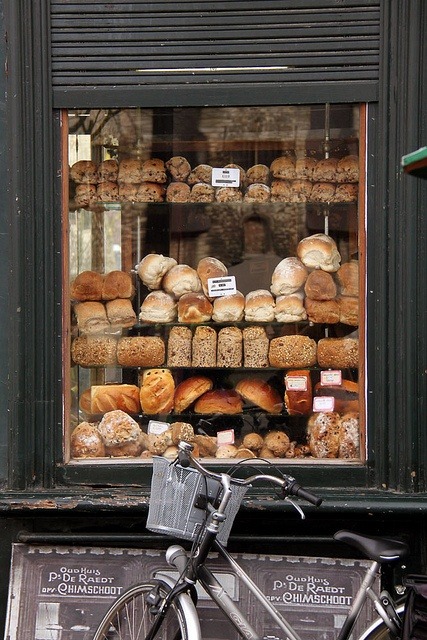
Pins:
x,y
157,391
129,171
295,351
304,167
346,395
288,276
258,173
179,168
118,428
325,170
255,347
298,392
257,192
349,436
204,347
91,317
324,432
128,192
85,195
189,390
179,347
322,311
181,279
259,306
108,171
94,351
349,310
300,190
290,308
108,397
283,168
86,441
348,169
178,192
150,192
346,192
322,192
210,267
230,347
281,191
194,307
320,285
153,170
202,192
107,192
84,171
120,313
117,284
225,401
153,267
338,353
229,308
348,278
87,286
158,306
141,351
319,251
201,173
228,194
261,394
84,401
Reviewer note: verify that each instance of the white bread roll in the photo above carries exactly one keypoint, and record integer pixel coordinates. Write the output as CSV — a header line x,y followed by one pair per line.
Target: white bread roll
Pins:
x,y
290,308
319,251
229,308
210,268
158,306
153,267
259,306
288,277
120,313
194,307
91,317
181,279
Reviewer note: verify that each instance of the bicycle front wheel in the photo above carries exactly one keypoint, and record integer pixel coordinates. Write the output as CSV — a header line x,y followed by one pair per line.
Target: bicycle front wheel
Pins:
x,y
129,618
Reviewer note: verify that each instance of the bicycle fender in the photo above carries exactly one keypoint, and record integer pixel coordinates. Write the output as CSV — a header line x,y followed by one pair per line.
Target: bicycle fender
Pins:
x,y
377,623
187,604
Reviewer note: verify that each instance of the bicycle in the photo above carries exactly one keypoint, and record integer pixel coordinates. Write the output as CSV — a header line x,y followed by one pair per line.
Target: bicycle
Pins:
x,y
193,503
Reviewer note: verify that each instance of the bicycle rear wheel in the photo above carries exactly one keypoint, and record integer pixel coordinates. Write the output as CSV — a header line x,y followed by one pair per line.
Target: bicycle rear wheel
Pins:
x,y
129,617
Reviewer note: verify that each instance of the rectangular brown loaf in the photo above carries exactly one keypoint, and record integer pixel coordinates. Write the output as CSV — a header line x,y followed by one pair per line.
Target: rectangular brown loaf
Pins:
x,y
339,353
292,351
94,351
204,347
255,347
141,351
230,347
179,347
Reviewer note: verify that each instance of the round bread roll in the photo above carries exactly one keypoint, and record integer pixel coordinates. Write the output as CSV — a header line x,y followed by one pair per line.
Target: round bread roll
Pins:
x,y
288,277
325,170
158,443
150,192
126,450
347,192
153,267
259,173
210,268
226,451
107,192
201,173
322,192
117,428
108,171
322,311
304,167
229,308
129,171
178,192
182,431
349,446
290,308
87,286
346,395
179,168
300,190
281,191
260,393
348,169
298,401
228,194
84,171
265,453
171,452
153,170
259,306
86,442
319,251
128,192
242,172
207,446
85,195
277,442
219,401
194,307
257,192
320,285
158,306
348,278
181,279
117,284
244,453
157,391
253,442
288,352
324,434
283,168
189,390
202,192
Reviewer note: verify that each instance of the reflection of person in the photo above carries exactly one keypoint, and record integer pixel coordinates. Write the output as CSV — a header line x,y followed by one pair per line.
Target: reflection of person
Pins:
x,y
259,261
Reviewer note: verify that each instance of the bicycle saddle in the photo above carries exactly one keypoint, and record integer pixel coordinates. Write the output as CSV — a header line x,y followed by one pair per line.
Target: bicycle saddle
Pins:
x,y
373,547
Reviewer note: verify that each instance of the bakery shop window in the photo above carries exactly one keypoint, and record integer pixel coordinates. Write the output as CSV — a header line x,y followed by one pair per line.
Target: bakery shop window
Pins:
x,y
214,259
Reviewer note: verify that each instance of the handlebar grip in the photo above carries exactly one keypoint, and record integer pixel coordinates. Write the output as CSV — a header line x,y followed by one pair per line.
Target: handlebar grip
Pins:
x,y
294,489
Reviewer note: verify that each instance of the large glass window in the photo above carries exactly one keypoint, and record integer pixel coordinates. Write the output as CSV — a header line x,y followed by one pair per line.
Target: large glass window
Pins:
x,y
215,283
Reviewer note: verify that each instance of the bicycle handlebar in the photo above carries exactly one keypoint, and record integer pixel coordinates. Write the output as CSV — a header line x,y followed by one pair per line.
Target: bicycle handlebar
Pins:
x,y
288,484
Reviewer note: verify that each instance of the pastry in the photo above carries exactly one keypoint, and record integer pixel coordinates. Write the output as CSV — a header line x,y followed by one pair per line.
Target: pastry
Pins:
x,y
202,192
257,192
153,170
129,171
283,168
201,173
178,192
179,168
84,172
108,171
348,169
107,192
150,192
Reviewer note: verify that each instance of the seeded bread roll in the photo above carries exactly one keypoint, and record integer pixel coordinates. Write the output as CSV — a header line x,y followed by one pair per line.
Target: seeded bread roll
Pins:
x,y
288,277
283,168
117,428
325,170
349,310
304,167
189,390
348,169
319,251
322,192
260,393
225,401
298,392
108,171
128,192
87,286
210,267
84,172
257,192
300,190
86,442
129,171
290,308
107,192
259,173
179,347
141,351
229,308
181,279
179,168
201,173
338,353
94,351
85,195
178,192
108,397
324,434
322,311
346,395
204,346
194,307
182,431
287,352
348,279
320,285
230,347
255,347
349,446
150,192
158,306
117,284
157,391
153,267
281,191
346,192
242,172
91,317
202,192
120,313
228,194
153,170
259,306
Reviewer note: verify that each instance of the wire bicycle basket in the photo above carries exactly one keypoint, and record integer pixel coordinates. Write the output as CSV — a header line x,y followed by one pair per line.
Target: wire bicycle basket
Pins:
x,y
179,501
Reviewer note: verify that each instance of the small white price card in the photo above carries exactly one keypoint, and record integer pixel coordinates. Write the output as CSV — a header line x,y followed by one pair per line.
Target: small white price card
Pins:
x,y
330,378
225,286
323,403
156,427
296,383
225,437
225,177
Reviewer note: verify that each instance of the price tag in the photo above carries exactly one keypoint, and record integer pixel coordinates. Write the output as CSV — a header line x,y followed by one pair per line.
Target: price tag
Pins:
x,y
323,403
296,383
156,427
330,378
225,286
225,437
225,177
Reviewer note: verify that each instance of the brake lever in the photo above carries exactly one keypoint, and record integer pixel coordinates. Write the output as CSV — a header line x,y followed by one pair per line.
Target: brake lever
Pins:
x,y
296,506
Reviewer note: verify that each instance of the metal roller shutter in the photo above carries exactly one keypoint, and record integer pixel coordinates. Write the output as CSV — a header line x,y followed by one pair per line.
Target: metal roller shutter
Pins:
x,y
124,53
